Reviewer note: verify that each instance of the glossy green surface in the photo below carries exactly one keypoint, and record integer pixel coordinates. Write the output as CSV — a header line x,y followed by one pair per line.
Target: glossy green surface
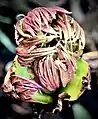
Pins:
x,y
74,87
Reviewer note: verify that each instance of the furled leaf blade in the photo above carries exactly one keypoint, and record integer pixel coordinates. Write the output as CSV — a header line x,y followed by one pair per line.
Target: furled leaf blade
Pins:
x,y
74,87
22,71
42,98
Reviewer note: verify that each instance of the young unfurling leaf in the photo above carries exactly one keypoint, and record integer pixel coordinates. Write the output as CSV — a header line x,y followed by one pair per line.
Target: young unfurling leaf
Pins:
x,y
22,71
42,33
74,87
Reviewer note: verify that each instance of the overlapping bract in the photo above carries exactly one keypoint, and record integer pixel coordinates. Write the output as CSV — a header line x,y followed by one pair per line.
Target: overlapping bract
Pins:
x,y
49,43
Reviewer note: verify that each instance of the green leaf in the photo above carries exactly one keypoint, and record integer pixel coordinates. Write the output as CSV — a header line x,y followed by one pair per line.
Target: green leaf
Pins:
x,y
48,91
80,112
74,87
42,98
22,71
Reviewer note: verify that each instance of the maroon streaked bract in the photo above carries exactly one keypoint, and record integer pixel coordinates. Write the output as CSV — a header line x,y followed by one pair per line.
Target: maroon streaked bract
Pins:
x,y
48,40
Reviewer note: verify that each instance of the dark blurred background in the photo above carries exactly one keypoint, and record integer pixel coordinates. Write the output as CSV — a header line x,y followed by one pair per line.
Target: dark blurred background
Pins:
x,y
86,13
